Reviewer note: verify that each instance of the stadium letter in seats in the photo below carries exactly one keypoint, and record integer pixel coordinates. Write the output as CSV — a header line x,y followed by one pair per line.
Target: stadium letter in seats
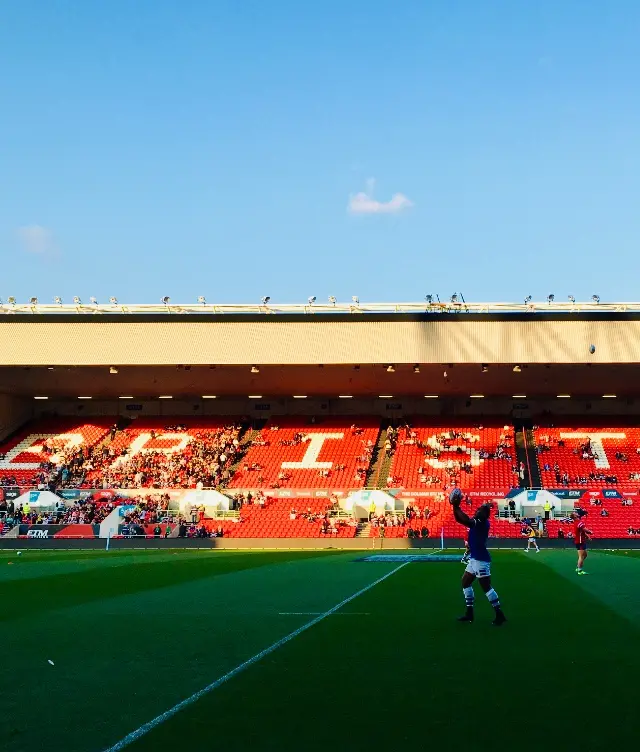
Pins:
x,y
139,445
26,454
310,459
597,447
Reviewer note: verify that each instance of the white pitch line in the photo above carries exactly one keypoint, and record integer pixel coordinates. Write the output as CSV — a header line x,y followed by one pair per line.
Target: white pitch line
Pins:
x,y
319,613
150,725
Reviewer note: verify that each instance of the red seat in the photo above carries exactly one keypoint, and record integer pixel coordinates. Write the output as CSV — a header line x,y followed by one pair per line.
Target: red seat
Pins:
x,y
24,452
328,456
606,443
412,469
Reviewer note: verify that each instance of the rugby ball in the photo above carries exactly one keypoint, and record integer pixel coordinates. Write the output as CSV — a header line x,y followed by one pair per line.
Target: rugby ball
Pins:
x,y
456,496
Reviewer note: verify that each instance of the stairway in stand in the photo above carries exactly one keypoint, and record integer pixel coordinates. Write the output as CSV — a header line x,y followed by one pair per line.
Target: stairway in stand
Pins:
x,y
521,456
383,465
247,436
525,454
535,480
363,530
377,457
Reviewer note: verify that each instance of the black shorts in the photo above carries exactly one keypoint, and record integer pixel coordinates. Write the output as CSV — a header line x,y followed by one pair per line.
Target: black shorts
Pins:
x,y
581,546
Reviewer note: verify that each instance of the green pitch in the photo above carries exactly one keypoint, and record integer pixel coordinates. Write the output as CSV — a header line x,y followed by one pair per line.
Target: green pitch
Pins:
x,y
133,634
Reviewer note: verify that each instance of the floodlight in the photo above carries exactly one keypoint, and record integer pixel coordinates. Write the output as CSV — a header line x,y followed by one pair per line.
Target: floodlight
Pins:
x,y
485,368
266,300
355,299
572,299
77,300
517,369
416,369
454,297
429,299
391,369
113,369
255,369
312,300
332,299
33,301
528,299
551,298
11,300
93,301
113,301
57,300
595,298
166,300
202,299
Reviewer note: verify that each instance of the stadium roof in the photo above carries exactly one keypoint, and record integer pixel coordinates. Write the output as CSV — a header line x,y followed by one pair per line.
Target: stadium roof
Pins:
x,y
372,381
366,350
594,337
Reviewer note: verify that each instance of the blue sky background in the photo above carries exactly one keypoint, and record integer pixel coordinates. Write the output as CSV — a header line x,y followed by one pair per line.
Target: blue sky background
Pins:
x,y
194,147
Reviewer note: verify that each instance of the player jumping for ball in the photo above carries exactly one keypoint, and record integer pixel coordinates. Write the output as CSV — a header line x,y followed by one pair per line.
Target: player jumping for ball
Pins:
x,y
479,565
580,536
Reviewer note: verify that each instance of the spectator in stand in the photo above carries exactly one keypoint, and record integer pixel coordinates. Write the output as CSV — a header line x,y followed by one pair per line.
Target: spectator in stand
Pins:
x,y
205,460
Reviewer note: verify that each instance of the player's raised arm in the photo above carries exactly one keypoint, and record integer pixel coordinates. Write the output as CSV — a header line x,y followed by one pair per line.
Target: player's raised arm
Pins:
x,y
455,499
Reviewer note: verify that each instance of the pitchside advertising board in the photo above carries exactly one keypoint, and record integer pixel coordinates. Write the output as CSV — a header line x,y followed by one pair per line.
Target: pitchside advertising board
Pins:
x,y
580,494
41,532
9,493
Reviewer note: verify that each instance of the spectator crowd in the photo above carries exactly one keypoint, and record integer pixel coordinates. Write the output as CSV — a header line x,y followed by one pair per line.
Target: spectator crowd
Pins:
x,y
205,461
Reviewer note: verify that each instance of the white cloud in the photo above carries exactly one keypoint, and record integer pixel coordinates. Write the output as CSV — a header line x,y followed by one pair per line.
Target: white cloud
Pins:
x,y
36,239
365,203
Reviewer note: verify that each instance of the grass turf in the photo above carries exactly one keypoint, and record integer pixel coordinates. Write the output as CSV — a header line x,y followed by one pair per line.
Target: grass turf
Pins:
x,y
132,634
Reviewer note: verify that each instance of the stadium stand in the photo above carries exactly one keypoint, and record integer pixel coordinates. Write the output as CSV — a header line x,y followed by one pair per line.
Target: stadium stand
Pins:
x,y
21,457
588,457
334,453
294,452
620,521
481,456
152,452
168,453
287,518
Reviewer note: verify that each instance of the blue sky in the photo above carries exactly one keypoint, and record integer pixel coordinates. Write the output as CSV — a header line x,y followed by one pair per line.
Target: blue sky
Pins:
x,y
194,147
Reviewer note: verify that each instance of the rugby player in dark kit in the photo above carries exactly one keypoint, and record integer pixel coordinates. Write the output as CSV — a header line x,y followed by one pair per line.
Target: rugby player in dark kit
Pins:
x,y
479,565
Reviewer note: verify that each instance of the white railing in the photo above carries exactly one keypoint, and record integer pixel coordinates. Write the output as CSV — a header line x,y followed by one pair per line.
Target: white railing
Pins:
x,y
435,306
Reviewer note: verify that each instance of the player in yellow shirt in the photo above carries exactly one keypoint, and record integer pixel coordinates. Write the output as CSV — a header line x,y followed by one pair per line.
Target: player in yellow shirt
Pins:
x,y
530,534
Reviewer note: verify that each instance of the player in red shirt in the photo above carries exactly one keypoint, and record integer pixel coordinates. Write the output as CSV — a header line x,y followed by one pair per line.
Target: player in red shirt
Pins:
x,y
580,537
